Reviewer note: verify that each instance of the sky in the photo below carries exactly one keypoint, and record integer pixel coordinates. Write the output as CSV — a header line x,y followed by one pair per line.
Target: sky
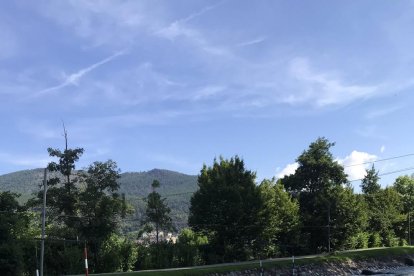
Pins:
x,y
175,84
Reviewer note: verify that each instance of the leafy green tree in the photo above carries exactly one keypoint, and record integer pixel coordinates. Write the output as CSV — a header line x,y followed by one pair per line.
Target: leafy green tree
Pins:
x,y
82,206
370,183
157,212
188,246
14,224
404,185
319,184
100,207
386,217
349,220
317,171
226,209
280,216
63,188
386,210
117,254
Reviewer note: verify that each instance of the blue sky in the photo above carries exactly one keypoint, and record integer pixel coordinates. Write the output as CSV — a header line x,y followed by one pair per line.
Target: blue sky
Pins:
x,y
173,84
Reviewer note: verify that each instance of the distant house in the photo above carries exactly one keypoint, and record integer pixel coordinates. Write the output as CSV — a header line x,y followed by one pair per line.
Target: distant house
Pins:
x,y
152,237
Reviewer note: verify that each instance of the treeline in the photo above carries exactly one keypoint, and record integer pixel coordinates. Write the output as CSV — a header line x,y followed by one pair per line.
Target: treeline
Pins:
x,y
231,217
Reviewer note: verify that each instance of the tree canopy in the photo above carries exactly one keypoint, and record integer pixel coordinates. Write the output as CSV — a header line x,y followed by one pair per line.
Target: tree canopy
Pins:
x,y
225,209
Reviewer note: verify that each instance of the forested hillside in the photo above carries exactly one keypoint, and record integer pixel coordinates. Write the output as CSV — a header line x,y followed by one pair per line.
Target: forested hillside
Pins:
x,y
176,187
22,182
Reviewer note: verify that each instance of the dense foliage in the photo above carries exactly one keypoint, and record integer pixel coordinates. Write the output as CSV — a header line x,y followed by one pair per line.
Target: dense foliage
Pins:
x,y
231,217
225,209
177,188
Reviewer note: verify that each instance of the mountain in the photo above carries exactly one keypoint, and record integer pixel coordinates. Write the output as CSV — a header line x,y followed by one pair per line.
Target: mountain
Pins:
x,y
176,187
139,183
23,182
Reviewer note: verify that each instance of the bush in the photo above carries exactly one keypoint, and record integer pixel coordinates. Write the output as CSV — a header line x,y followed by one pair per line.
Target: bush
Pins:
x,y
116,254
152,255
375,240
360,240
188,248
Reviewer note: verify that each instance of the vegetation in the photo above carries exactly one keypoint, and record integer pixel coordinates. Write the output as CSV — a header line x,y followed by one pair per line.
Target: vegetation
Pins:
x,y
281,263
177,188
230,216
225,209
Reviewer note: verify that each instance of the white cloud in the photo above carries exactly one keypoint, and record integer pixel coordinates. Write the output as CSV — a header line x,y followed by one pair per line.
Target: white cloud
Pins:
x,y
382,149
25,161
73,79
323,88
104,23
178,28
356,164
381,112
252,42
207,92
288,170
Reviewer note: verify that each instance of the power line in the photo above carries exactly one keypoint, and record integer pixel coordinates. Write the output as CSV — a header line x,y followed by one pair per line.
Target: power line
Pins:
x,y
379,160
387,173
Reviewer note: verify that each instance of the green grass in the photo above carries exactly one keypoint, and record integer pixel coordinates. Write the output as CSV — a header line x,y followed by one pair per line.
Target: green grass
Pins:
x,y
335,257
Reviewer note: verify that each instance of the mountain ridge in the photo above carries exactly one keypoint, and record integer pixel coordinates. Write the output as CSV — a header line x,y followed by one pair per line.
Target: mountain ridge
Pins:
x,y
175,186
132,183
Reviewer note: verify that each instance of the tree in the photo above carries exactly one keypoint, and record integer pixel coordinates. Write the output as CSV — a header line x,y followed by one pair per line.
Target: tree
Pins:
x,y
404,185
82,206
370,183
318,183
188,248
317,171
157,212
385,219
280,217
62,199
225,208
14,223
100,207
349,220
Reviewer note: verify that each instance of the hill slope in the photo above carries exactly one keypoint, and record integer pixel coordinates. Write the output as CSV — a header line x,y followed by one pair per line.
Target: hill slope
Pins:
x,y
176,187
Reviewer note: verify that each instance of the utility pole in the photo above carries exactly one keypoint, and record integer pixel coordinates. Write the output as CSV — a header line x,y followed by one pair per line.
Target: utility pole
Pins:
x,y
329,228
409,227
409,215
42,250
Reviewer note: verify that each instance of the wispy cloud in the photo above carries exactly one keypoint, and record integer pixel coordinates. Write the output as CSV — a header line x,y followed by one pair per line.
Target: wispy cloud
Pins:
x,y
39,130
198,13
24,161
73,79
207,92
179,28
371,131
322,88
252,42
381,112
